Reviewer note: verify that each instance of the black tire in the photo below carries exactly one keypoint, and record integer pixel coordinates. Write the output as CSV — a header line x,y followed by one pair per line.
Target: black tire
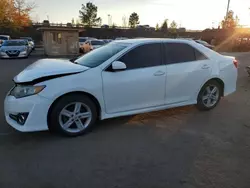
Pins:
x,y
200,104
53,118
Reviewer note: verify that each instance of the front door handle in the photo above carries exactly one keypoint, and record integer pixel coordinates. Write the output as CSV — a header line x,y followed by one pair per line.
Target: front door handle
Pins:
x,y
205,66
159,73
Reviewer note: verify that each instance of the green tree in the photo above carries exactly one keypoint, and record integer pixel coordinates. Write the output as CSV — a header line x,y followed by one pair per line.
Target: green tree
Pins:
x,y
157,27
230,21
164,26
88,15
133,20
78,22
114,26
173,26
100,22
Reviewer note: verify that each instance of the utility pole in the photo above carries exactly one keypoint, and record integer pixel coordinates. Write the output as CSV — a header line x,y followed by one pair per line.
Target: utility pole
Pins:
x,y
109,20
228,4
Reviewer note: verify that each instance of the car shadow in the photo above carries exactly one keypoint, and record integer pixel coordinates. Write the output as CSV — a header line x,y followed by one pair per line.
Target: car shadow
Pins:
x,y
146,119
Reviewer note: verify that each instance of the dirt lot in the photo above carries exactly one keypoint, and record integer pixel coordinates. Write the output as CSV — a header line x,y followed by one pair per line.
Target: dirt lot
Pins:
x,y
169,149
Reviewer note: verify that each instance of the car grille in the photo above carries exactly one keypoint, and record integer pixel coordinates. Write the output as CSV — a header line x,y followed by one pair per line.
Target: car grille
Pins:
x,y
13,53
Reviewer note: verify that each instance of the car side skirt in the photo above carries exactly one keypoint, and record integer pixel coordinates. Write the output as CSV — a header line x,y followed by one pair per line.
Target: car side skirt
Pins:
x,y
145,110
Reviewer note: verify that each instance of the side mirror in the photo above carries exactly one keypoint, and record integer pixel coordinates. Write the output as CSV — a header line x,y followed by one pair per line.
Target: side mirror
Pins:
x,y
118,66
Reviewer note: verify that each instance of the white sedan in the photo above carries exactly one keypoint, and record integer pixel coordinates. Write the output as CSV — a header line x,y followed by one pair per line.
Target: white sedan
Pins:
x,y
122,78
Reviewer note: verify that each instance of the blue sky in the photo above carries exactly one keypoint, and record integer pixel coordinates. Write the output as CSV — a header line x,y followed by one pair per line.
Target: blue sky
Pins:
x,y
192,14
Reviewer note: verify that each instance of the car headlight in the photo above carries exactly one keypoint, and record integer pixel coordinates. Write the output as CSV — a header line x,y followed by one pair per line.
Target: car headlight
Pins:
x,y
24,49
20,91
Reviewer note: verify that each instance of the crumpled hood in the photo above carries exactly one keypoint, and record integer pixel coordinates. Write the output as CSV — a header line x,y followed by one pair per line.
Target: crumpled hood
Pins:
x,y
48,67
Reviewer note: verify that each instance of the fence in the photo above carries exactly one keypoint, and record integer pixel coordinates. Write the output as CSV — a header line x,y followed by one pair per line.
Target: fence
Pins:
x,y
225,40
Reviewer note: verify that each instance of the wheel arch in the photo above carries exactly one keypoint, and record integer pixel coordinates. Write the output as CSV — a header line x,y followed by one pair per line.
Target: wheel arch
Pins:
x,y
92,97
220,81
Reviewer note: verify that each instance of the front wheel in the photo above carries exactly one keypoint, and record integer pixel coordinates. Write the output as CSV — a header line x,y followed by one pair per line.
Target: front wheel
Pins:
x,y
209,95
73,115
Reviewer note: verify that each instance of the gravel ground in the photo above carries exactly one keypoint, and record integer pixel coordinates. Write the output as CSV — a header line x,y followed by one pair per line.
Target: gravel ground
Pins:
x,y
174,148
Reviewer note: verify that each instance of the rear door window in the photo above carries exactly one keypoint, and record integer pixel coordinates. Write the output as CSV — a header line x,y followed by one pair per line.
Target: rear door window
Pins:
x,y
181,53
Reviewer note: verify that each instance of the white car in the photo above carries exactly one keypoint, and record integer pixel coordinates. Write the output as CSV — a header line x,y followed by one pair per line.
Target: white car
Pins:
x,y
121,78
95,43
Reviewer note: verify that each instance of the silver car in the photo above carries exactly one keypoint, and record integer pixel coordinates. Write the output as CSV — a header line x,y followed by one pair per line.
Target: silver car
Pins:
x,y
15,49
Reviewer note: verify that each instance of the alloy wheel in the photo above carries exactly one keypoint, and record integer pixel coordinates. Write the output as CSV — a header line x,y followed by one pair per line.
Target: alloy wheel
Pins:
x,y
210,95
75,117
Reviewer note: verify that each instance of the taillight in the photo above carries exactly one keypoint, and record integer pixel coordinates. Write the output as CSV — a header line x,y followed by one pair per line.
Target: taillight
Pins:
x,y
235,63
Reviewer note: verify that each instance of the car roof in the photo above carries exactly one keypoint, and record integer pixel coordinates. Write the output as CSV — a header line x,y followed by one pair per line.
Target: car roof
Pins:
x,y
4,35
151,40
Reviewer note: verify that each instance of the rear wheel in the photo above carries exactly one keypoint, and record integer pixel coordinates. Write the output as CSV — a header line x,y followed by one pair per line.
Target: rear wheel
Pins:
x,y
73,115
209,95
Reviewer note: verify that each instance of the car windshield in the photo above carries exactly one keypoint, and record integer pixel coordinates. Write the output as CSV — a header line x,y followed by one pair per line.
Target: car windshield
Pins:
x,y
100,55
97,42
82,40
3,38
14,43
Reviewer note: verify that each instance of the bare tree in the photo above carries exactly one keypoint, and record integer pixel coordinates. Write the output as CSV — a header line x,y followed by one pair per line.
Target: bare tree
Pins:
x,y
124,21
24,6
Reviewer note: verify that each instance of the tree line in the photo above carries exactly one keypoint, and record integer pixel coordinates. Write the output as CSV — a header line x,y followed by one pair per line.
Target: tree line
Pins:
x,y
88,17
16,14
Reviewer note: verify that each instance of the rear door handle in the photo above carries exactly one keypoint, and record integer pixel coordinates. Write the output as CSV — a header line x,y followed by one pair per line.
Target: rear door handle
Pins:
x,y
159,73
205,67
